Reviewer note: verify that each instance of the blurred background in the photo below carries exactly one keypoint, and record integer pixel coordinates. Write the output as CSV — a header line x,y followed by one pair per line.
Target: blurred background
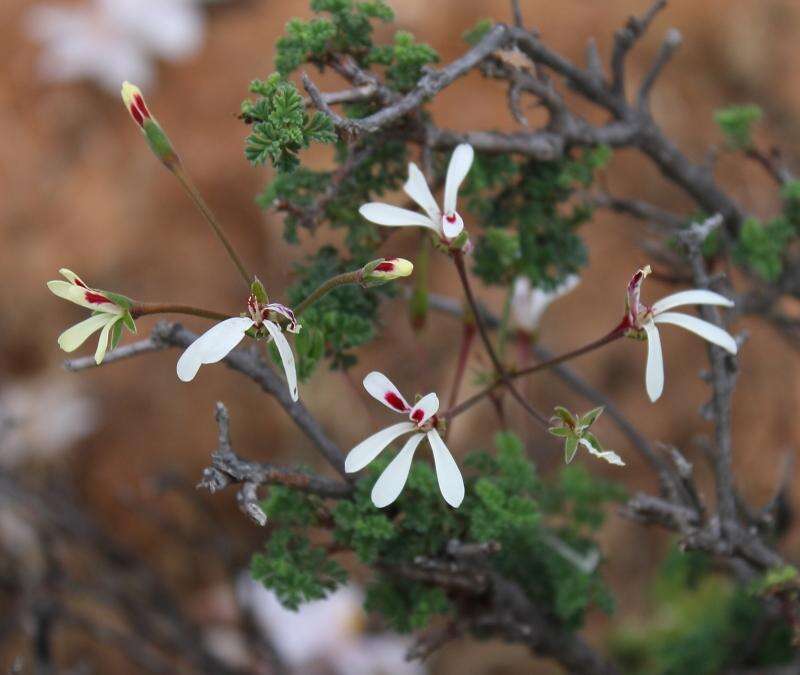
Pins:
x,y
126,443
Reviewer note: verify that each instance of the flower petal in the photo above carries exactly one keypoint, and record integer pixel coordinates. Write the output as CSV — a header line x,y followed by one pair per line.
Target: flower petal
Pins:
x,y
424,409
417,188
85,297
394,216
212,346
371,447
287,357
381,388
74,337
448,474
460,163
286,312
697,296
70,276
452,224
102,341
528,304
391,482
608,455
707,331
654,374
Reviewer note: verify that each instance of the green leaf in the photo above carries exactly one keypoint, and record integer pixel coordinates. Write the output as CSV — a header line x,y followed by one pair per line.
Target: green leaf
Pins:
x,y
562,432
590,417
736,123
294,570
565,415
570,448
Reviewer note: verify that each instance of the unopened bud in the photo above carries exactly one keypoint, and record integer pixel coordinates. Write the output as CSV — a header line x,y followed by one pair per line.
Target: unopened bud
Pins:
x,y
385,269
156,138
258,291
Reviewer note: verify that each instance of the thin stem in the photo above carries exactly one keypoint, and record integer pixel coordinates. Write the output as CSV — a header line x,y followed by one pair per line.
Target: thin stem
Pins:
x,y
596,344
325,288
199,202
502,333
503,379
145,308
467,338
615,334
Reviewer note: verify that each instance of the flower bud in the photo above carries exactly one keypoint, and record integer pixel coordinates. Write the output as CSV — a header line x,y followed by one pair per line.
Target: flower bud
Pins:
x,y
385,269
153,133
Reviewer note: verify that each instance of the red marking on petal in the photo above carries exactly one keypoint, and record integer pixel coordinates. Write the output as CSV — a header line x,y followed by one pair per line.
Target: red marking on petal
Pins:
x,y
395,401
451,217
96,298
417,415
137,115
141,106
385,266
77,281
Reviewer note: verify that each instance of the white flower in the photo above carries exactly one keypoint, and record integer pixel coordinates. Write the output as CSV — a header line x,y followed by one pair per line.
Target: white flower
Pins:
x,y
108,41
446,222
641,321
218,341
528,304
422,422
326,634
110,313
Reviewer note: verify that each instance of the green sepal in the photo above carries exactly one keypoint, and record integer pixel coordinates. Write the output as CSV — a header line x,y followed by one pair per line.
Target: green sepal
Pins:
x,y
589,418
118,299
460,241
570,448
130,324
159,143
116,334
561,432
258,291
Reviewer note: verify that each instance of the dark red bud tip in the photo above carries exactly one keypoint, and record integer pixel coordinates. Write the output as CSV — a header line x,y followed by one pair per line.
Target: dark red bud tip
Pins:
x,y
137,116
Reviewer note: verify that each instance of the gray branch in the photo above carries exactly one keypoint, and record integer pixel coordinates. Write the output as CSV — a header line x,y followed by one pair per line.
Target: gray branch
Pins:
x,y
227,467
248,363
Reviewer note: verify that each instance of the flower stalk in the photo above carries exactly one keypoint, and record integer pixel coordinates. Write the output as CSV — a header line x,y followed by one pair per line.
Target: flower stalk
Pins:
x,y
162,148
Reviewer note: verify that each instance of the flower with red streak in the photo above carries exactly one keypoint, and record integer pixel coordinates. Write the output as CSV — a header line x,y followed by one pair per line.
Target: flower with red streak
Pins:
x,y
134,102
423,423
641,321
156,138
217,342
446,222
110,312
383,270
